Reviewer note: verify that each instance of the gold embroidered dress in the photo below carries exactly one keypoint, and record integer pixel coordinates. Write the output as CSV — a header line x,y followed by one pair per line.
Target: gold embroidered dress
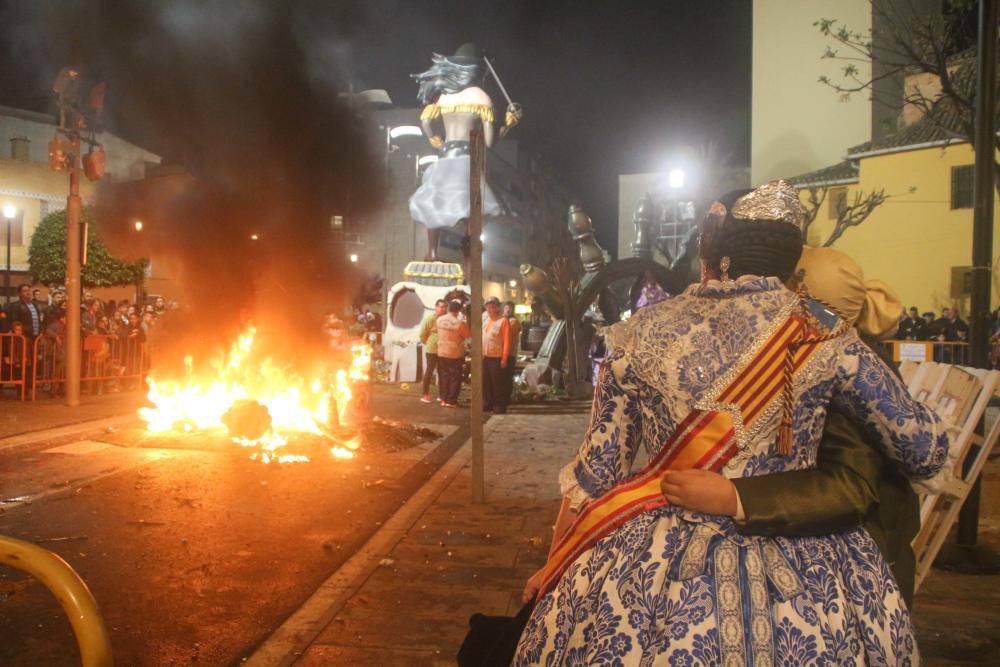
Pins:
x,y
673,587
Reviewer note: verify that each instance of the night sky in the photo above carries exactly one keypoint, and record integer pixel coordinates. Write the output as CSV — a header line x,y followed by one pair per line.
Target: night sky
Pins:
x,y
607,87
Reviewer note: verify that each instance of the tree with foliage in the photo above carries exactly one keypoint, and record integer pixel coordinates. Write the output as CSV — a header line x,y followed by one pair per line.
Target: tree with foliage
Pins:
x,y
47,255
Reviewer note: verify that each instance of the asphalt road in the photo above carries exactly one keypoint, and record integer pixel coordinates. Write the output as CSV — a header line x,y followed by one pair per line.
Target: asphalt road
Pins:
x,y
194,553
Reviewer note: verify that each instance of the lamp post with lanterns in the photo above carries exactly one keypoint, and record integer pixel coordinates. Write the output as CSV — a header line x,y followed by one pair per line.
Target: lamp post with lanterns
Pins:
x,y
78,123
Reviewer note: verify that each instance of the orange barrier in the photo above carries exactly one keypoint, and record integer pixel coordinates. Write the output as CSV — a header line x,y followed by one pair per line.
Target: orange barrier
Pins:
x,y
14,361
106,362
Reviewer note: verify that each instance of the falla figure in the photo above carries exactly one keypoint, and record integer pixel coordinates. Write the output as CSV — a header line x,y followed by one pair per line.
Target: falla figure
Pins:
x,y
453,98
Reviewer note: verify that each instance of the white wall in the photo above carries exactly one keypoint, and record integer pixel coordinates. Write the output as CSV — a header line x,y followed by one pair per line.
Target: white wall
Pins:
x,y
799,124
125,161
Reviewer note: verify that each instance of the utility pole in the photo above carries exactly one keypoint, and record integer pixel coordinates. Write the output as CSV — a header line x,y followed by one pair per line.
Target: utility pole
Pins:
x,y
476,168
73,340
76,118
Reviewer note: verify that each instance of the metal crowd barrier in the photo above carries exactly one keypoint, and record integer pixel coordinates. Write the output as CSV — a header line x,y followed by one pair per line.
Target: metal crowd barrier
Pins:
x,y
942,352
71,592
13,361
105,360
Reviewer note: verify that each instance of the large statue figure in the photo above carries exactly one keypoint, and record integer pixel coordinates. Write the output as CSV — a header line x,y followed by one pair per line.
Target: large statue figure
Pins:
x,y
451,93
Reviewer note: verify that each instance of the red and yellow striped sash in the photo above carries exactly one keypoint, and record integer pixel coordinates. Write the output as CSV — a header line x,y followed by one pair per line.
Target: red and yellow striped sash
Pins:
x,y
705,439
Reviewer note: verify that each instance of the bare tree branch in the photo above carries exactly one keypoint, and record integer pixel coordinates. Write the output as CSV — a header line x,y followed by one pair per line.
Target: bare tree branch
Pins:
x,y
853,214
817,196
849,215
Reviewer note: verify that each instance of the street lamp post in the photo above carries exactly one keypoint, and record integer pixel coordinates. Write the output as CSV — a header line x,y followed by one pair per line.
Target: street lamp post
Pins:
x,y
9,211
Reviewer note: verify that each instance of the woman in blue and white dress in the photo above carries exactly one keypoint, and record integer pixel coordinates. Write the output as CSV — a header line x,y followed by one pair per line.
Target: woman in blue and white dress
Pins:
x,y
674,587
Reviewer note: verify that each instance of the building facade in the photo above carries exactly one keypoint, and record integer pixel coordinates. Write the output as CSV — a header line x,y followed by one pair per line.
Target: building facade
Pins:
x,y
27,182
919,240
788,102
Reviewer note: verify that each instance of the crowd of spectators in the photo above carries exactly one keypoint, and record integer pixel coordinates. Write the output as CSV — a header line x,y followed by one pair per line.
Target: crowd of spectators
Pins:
x,y
41,314
949,327
111,330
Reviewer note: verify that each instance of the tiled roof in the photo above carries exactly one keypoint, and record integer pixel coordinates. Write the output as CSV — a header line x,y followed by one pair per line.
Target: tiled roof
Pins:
x,y
942,123
842,171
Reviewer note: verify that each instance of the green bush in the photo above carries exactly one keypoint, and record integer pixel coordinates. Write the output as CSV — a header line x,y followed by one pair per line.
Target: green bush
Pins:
x,y
47,255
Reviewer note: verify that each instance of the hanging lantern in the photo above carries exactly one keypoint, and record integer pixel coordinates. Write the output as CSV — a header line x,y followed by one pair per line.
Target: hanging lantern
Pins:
x,y
95,163
57,154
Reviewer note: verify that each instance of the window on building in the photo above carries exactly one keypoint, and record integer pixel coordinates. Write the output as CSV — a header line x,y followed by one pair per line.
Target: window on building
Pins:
x,y
837,202
962,185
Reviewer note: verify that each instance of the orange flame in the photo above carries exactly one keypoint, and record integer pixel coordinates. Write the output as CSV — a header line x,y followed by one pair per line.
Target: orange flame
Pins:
x,y
295,404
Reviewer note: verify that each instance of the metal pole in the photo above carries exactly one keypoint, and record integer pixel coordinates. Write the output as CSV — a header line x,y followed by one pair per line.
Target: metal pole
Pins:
x,y
982,232
982,224
387,218
73,343
476,168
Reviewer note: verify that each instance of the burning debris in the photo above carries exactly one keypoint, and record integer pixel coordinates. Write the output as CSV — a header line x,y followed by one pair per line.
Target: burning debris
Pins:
x,y
275,413
265,406
247,419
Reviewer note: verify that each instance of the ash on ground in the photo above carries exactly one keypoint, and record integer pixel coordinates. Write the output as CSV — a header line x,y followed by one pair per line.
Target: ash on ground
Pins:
x,y
391,435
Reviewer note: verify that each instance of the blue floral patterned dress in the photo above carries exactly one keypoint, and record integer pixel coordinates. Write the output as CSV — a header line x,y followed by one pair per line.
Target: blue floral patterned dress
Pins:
x,y
673,587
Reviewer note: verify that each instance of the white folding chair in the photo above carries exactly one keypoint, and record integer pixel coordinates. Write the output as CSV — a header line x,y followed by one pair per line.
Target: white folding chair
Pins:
x,y
961,395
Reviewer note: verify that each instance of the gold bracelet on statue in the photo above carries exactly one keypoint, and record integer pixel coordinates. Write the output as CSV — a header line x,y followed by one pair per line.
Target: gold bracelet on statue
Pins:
x,y
436,141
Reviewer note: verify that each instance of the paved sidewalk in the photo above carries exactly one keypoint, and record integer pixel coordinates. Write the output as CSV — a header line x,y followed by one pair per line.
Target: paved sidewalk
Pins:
x,y
414,598
18,417
406,598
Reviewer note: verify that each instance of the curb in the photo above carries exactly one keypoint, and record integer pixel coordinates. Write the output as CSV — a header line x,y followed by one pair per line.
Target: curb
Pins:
x,y
291,639
35,437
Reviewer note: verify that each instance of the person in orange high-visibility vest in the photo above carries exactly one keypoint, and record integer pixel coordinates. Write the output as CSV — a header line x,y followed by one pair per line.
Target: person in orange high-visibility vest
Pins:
x,y
452,332
496,350
514,338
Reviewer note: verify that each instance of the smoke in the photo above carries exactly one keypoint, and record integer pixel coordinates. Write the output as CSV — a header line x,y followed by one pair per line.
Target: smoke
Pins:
x,y
243,95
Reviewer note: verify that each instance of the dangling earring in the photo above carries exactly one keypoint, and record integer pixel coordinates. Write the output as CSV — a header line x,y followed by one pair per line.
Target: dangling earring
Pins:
x,y
724,269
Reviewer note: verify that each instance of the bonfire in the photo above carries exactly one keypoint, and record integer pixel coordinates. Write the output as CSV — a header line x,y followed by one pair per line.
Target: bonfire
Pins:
x,y
265,407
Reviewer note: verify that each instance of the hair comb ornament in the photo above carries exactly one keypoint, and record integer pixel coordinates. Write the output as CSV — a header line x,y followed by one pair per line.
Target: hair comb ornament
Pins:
x,y
776,200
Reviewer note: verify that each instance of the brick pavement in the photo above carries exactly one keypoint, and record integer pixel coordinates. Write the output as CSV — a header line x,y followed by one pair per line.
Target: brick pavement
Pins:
x,y
459,557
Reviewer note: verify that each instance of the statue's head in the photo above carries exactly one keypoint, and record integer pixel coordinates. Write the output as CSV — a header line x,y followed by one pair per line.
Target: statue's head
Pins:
x,y
450,74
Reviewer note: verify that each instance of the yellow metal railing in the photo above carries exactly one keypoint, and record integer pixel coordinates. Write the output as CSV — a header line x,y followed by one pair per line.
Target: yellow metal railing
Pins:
x,y
71,592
